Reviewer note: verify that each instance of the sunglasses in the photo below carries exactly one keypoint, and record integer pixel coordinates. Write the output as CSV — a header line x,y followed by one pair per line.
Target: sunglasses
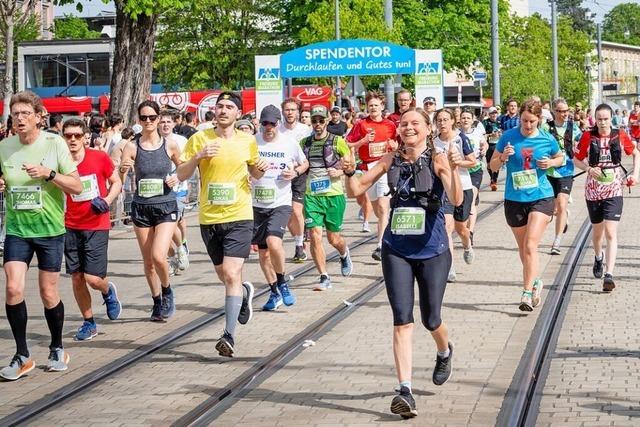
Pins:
x,y
317,121
562,111
265,124
151,118
73,136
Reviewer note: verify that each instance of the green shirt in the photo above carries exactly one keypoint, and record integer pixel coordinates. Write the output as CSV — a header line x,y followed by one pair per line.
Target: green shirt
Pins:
x,y
35,208
318,173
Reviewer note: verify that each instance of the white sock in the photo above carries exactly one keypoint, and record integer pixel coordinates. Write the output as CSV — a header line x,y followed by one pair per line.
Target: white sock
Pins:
x,y
445,353
556,242
299,240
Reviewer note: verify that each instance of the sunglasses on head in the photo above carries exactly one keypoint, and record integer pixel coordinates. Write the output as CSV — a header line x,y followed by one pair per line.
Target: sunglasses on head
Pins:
x,y
73,135
151,118
316,121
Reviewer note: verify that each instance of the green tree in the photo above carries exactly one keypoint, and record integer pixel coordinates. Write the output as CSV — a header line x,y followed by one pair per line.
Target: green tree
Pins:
x,y
580,16
622,24
72,27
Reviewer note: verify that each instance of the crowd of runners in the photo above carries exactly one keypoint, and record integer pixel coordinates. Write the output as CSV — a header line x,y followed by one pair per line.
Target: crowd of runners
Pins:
x,y
418,169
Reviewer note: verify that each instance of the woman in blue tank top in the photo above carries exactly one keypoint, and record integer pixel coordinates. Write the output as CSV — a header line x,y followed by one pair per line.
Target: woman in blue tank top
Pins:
x,y
415,246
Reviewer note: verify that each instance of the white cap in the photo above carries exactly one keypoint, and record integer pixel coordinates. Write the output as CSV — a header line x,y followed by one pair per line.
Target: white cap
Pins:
x,y
493,110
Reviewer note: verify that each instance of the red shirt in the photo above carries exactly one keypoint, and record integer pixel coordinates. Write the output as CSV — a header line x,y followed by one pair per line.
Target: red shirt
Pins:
x,y
95,169
605,188
634,130
372,151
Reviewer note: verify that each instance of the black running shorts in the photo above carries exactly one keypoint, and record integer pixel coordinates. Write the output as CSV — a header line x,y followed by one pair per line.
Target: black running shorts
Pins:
x,y
605,210
269,222
232,239
85,251
460,213
561,185
517,213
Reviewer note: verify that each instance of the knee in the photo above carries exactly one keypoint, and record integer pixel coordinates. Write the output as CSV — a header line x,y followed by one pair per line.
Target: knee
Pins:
x,y
610,234
334,238
530,248
315,235
14,290
148,265
432,321
49,294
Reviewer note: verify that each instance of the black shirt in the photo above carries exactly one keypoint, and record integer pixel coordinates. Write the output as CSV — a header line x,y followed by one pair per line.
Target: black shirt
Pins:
x,y
339,128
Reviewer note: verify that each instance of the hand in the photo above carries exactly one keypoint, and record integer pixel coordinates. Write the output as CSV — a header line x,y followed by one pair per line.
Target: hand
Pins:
x,y
508,152
371,135
631,181
333,172
172,180
262,164
454,156
349,161
544,163
288,174
98,142
3,184
99,205
594,172
36,171
209,150
393,145
126,164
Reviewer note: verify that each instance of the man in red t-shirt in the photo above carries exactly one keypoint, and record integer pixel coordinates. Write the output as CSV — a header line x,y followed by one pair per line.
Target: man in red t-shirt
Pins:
x,y
404,101
603,189
88,223
373,137
634,122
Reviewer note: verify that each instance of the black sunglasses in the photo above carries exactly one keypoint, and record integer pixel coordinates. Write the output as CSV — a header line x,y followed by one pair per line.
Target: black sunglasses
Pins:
x,y
316,121
151,118
266,123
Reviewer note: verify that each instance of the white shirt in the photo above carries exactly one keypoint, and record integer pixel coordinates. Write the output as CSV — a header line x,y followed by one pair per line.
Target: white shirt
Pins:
x,y
465,178
299,131
183,186
205,125
271,190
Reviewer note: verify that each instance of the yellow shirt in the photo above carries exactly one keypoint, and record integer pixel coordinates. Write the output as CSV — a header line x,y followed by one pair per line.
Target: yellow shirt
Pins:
x,y
225,195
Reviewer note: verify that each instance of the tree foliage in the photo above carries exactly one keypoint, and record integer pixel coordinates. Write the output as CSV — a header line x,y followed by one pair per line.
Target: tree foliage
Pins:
x,y
580,16
72,27
622,24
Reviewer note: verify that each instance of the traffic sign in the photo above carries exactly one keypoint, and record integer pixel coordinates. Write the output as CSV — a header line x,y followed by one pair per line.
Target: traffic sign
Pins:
x,y
479,75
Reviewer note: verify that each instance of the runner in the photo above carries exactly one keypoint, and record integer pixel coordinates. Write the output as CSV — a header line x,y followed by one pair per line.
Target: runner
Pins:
x,y
419,176
154,210
528,204
305,118
298,131
456,216
634,123
324,199
493,130
429,105
272,202
373,137
404,101
603,190
511,119
87,221
567,133
36,170
225,157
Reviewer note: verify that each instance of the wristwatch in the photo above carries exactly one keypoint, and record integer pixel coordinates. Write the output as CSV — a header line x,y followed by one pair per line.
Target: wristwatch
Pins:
x,y
52,175
350,174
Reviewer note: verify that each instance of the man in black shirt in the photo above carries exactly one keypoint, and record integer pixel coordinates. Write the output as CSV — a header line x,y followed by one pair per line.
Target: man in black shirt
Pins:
x,y
337,126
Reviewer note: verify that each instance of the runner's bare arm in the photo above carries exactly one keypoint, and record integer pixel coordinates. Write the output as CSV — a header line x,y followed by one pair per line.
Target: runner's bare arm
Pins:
x,y
446,170
258,169
359,185
115,186
127,159
69,183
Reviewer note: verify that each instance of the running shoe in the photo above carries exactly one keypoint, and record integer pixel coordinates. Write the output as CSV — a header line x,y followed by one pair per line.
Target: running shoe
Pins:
x,y
186,247
173,266
404,404
598,267
494,186
225,345
442,371
377,254
58,360
452,276
608,284
274,301
300,255
183,258
526,303
469,255
156,312
346,266
287,296
19,366
536,295
246,311
114,308
168,307
87,331
365,227
555,250
324,284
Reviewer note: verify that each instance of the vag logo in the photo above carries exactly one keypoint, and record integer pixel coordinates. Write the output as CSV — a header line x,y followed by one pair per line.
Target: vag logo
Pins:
x,y
269,73
428,67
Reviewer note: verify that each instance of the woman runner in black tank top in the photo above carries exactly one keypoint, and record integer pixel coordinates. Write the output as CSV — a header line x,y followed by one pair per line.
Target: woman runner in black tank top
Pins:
x,y
154,209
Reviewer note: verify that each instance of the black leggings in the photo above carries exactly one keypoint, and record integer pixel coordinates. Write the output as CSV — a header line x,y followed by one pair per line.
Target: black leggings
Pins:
x,y
431,275
492,174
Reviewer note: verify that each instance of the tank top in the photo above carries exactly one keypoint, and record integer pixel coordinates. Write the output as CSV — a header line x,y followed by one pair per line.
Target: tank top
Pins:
x,y
151,168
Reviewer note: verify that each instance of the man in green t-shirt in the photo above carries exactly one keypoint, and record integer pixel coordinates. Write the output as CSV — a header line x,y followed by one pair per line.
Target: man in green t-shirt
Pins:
x,y
36,170
324,201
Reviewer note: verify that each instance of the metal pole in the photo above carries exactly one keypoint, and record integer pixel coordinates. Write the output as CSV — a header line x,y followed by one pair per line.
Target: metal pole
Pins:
x,y
554,49
495,52
599,34
337,24
388,83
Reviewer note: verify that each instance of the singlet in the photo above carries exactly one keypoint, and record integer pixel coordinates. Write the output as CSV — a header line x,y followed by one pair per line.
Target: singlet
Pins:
x,y
151,168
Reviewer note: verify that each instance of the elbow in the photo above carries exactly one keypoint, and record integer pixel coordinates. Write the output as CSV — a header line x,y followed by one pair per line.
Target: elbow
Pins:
x,y
76,188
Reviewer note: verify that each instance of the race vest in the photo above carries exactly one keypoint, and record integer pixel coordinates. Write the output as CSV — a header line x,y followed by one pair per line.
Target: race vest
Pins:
x,y
566,143
614,148
422,180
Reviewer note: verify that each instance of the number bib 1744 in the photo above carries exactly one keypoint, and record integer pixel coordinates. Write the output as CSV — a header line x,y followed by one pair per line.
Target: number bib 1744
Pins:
x,y
408,221
524,180
150,187
264,194
219,193
28,197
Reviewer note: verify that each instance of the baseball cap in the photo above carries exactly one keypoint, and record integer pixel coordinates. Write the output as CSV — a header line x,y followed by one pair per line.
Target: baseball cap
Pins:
x,y
336,109
429,99
319,110
245,122
493,110
270,113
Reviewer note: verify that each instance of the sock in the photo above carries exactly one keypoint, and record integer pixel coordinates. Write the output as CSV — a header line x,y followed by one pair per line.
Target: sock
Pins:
x,y
90,319
444,354
17,316
346,252
232,305
406,384
281,278
157,300
299,240
167,290
599,258
274,287
55,321
557,241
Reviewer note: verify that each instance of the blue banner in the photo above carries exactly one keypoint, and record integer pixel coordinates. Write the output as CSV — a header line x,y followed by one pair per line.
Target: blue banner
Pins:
x,y
347,58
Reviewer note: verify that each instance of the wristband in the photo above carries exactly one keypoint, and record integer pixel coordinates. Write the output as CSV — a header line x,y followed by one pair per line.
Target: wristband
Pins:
x,y
349,174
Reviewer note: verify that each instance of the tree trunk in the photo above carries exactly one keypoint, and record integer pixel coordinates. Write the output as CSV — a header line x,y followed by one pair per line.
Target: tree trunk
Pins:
x,y
132,62
7,81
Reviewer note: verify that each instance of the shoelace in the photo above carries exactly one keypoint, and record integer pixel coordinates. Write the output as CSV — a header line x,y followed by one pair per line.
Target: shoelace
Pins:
x,y
16,360
53,355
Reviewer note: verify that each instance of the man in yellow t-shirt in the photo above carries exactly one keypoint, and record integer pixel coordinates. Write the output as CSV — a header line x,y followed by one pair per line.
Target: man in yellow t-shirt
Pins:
x,y
225,158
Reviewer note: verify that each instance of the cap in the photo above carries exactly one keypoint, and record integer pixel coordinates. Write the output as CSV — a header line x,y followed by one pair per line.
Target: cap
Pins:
x,y
231,96
270,113
319,110
336,109
429,99
245,123
493,110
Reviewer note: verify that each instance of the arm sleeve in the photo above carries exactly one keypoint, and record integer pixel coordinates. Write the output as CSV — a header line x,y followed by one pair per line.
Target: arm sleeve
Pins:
x,y
107,164
626,143
583,147
300,157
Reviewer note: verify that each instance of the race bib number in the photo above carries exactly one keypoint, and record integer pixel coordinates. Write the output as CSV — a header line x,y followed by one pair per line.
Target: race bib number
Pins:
x,y
263,194
320,185
89,189
524,180
407,221
150,187
24,198
607,177
377,149
221,193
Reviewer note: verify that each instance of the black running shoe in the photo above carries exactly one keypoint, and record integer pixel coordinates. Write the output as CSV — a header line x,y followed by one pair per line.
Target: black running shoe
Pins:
x,y
442,371
608,284
156,313
225,345
404,404
246,310
598,268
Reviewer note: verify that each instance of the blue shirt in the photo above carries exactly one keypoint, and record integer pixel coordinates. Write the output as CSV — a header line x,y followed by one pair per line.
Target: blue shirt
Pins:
x,y
522,171
507,122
